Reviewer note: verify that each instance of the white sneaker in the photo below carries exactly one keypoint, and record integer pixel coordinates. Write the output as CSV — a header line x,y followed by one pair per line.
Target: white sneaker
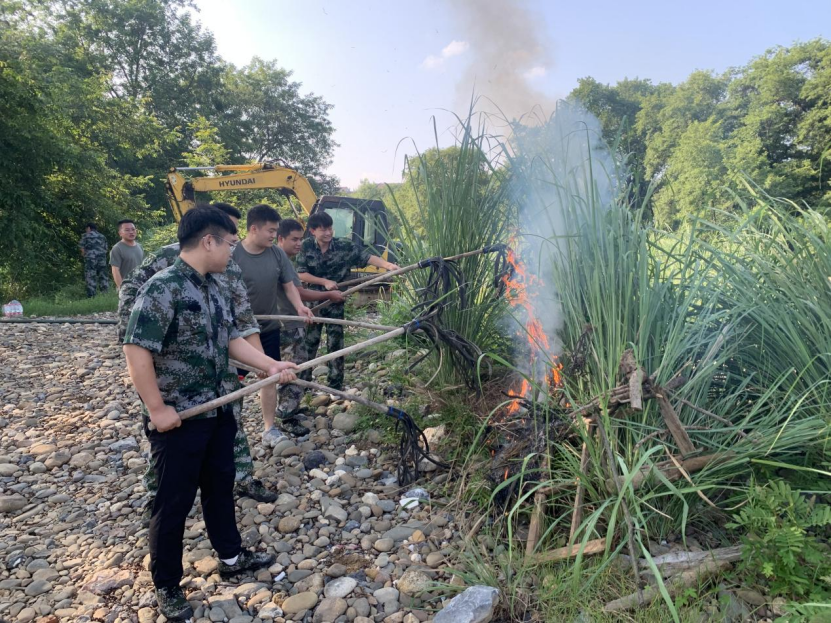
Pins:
x,y
272,437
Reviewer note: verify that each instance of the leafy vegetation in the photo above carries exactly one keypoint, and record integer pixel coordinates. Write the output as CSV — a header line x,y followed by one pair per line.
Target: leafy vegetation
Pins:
x,y
94,110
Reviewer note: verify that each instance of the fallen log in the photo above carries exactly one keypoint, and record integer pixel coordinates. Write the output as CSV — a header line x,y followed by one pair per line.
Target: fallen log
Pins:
x,y
683,580
592,547
670,471
677,562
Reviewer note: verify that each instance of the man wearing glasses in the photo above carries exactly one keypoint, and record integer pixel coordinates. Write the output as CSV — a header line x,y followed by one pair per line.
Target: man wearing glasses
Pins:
x,y
178,342
232,285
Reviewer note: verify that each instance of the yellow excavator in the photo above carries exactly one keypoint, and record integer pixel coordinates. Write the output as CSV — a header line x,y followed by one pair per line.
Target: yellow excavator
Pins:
x,y
361,220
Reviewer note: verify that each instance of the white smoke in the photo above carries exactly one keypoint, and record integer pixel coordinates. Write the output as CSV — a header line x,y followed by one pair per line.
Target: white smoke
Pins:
x,y
562,171
507,53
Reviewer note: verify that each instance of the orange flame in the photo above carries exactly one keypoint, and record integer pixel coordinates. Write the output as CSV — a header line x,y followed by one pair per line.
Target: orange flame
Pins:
x,y
516,291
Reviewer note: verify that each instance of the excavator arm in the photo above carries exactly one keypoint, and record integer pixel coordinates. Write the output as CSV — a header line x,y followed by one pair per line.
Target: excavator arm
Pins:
x,y
181,190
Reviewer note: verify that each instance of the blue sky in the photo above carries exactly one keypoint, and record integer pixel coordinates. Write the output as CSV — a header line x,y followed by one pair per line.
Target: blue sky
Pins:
x,y
388,67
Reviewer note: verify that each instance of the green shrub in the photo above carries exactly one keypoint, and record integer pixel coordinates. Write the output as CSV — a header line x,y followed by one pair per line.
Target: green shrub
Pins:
x,y
781,549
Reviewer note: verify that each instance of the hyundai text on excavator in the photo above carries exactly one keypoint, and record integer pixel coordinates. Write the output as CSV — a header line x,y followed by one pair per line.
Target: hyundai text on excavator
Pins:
x,y
360,220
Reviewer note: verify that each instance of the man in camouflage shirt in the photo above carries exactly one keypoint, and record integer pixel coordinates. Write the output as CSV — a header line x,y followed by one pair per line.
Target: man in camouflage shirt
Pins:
x,y
178,342
94,249
323,262
231,285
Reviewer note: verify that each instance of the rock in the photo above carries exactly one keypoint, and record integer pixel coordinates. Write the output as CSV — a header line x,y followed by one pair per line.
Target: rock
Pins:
x,y
336,512
12,503
81,459
754,598
298,603
329,610
341,587
434,559
206,566
8,469
414,582
227,603
320,371
26,615
399,533
38,587
107,580
123,445
346,421
384,545
322,400
386,595
435,434
289,524
475,605
314,460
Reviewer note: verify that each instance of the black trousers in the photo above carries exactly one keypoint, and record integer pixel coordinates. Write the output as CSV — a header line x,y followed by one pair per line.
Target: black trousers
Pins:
x,y
198,454
271,347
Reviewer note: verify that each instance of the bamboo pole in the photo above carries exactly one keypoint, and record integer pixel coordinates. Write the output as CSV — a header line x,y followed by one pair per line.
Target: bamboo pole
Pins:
x,y
322,320
273,380
577,513
394,273
671,472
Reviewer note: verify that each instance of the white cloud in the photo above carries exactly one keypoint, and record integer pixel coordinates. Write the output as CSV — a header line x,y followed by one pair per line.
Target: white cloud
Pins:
x,y
454,48
535,72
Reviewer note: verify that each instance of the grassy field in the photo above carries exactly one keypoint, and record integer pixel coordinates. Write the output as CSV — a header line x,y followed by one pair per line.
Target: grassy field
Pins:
x,y
71,301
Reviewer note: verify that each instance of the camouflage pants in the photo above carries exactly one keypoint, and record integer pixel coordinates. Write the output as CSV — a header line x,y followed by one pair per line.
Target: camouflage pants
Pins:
x,y
293,343
95,275
334,341
243,463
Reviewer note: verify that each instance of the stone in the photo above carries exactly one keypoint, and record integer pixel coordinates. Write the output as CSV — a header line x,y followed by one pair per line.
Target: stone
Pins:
x,y
320,371
8,469
384,545
341,587
108,580
435,434
434,559
320,401
314,460
748,595
329,610
399,533
345,421
289,524
206,566
26,615
81,459
227,603
475,605
38,587
414,582
298,603
336,512
123,445
12,503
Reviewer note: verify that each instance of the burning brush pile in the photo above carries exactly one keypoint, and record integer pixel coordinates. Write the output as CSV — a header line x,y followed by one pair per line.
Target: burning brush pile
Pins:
x,y
646,403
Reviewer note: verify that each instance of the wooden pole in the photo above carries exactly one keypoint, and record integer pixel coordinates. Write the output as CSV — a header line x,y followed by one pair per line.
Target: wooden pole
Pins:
x,y
394,273
577,513
272,380
322,320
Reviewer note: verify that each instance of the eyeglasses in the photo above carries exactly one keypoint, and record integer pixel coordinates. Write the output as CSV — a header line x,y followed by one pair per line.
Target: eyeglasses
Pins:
x,y
233,245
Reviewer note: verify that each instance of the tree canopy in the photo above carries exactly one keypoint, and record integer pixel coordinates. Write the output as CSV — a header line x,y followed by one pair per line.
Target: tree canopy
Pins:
x,y
99,98
769,121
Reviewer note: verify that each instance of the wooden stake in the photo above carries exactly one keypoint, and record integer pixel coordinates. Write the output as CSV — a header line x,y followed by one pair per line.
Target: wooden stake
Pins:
x,y
535,526
679,434
592,547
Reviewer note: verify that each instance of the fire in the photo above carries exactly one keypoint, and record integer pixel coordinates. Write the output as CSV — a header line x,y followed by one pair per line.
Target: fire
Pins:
x,y
517,288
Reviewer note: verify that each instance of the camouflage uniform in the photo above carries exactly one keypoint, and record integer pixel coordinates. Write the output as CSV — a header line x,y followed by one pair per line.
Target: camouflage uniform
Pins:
x,y
186,322
229,283
293,342
95,262
335,264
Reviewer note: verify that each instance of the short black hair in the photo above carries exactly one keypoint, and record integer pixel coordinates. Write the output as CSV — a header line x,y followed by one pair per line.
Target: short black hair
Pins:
x,y
228,209
260,215
201,221
319,219
92,226
288,225
125,221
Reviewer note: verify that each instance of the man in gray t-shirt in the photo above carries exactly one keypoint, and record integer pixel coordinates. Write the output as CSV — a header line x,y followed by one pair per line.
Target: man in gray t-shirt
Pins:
x,y
268,275
127,254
